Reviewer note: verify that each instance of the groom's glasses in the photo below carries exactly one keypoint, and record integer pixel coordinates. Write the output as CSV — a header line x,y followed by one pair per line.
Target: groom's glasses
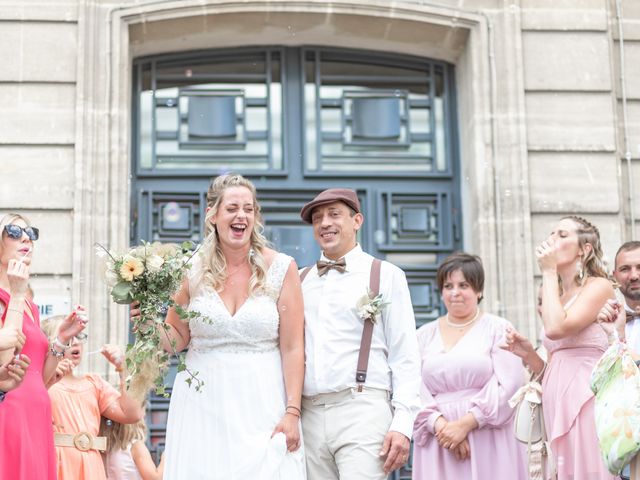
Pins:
x,y
15,232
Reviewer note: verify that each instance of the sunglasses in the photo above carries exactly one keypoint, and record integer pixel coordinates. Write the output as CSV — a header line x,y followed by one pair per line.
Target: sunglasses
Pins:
x,y
16,231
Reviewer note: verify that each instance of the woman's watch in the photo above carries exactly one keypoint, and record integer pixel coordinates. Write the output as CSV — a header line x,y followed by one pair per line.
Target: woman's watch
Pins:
x,y
2,395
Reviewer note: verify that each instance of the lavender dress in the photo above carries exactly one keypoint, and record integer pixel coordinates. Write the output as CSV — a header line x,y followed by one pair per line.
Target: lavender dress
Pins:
x,y
474,376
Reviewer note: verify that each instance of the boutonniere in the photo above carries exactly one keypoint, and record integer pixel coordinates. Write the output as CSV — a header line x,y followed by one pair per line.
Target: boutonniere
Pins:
x,y
370,306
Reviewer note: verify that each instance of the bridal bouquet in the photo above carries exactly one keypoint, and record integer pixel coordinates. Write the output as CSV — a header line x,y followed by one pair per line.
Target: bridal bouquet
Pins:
x,y
151,274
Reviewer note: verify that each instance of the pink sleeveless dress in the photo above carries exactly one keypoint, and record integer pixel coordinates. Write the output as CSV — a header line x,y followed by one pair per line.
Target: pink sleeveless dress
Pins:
x,y
26,433
569,404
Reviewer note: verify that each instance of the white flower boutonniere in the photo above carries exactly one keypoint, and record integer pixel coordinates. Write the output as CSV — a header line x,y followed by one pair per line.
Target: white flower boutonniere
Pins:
x,y
370,306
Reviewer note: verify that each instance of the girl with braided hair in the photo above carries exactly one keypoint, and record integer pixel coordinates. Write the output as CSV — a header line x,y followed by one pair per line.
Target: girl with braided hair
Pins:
x,y
574,287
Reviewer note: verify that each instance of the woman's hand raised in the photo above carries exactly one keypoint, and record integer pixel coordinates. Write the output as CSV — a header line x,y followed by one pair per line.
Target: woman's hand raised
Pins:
x,y
18,276
546,256
517,344
72,325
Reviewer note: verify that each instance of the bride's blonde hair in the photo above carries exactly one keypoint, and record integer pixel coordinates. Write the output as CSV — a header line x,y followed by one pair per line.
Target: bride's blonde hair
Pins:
x,y
214,265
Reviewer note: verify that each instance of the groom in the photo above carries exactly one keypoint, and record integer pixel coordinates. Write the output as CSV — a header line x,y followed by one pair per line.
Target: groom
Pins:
x,y
353,429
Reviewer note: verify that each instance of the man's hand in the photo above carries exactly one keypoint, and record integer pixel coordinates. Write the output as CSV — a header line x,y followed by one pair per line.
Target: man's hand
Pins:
x,y
11,375
396,448
11,338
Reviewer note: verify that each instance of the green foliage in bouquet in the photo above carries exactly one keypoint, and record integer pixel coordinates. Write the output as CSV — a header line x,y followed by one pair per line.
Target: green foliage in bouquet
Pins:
x,y
150,274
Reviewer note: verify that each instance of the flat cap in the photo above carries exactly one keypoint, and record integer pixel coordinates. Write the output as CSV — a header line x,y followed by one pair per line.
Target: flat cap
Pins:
x,y
345,195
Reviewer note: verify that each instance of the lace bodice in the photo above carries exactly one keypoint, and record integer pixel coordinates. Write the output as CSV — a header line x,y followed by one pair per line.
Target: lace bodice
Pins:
x,y
253,328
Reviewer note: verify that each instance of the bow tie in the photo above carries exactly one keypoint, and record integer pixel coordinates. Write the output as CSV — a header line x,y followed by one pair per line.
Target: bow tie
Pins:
x,y
324,267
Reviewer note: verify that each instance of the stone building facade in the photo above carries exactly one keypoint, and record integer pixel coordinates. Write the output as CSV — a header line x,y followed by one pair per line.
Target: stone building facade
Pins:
x,y
548,116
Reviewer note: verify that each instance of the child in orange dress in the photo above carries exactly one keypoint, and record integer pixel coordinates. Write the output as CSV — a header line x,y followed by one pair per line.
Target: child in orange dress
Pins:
x,y
77,403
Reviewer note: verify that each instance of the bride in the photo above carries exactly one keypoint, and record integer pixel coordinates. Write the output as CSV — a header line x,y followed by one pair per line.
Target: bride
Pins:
x,y
248,350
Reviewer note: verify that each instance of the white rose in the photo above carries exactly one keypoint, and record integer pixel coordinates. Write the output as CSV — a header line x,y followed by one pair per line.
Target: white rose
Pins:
x,y
154,263
111,278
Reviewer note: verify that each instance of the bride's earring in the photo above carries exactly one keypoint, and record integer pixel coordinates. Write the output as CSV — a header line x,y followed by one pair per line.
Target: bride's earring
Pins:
x,y
580,269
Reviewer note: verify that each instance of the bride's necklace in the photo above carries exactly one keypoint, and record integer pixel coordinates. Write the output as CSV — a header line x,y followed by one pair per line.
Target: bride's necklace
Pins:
x,y
461,326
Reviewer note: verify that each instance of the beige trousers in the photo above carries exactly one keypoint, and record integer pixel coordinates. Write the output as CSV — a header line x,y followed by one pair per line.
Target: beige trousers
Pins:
x,y
343,434
635,468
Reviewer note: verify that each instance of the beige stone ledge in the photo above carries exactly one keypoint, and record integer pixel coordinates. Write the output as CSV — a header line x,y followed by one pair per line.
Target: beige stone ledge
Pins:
x,y
630,19
569,182
563,121
37,113
566,61
52,252
609,225
564,15
438,41
38,51
47,10
46,173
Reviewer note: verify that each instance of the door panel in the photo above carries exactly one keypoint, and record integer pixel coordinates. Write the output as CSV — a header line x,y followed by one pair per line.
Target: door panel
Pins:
x,y
296,121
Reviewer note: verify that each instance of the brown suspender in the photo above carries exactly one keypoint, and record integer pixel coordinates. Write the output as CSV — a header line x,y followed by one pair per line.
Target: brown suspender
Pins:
x,y
367,331
304,274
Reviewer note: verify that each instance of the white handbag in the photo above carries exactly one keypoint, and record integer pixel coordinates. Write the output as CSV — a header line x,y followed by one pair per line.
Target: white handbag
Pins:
x,y
528,423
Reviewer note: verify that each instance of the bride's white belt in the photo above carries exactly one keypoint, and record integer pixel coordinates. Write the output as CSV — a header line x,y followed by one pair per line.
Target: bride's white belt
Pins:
x,y
342,395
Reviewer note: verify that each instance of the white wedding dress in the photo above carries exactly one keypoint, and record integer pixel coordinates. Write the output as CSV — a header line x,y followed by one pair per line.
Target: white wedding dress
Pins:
x,y
224,431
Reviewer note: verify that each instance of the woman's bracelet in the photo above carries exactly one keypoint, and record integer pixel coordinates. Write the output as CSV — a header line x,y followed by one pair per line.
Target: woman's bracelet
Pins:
x,y
297,412
15,310
537,376
58,343
56,353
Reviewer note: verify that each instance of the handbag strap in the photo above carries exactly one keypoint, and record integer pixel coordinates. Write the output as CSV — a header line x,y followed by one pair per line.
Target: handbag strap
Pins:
x,y
367,330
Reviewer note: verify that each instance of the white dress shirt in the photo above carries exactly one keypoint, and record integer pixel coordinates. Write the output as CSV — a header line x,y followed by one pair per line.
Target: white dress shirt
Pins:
x,y
333,330
632,332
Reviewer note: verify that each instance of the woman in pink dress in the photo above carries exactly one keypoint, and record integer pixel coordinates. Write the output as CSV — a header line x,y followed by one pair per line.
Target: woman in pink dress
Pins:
x,y
574,287
26,435
464,430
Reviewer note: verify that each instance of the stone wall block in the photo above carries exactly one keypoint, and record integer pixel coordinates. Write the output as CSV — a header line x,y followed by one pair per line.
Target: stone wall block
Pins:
x,y
34,113
43,177
570,121
566,61
47,10
38,51
564,15
569,182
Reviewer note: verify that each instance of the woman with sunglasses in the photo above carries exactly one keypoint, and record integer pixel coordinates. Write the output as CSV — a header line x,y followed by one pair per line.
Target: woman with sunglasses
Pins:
x,y
78,401
26,436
